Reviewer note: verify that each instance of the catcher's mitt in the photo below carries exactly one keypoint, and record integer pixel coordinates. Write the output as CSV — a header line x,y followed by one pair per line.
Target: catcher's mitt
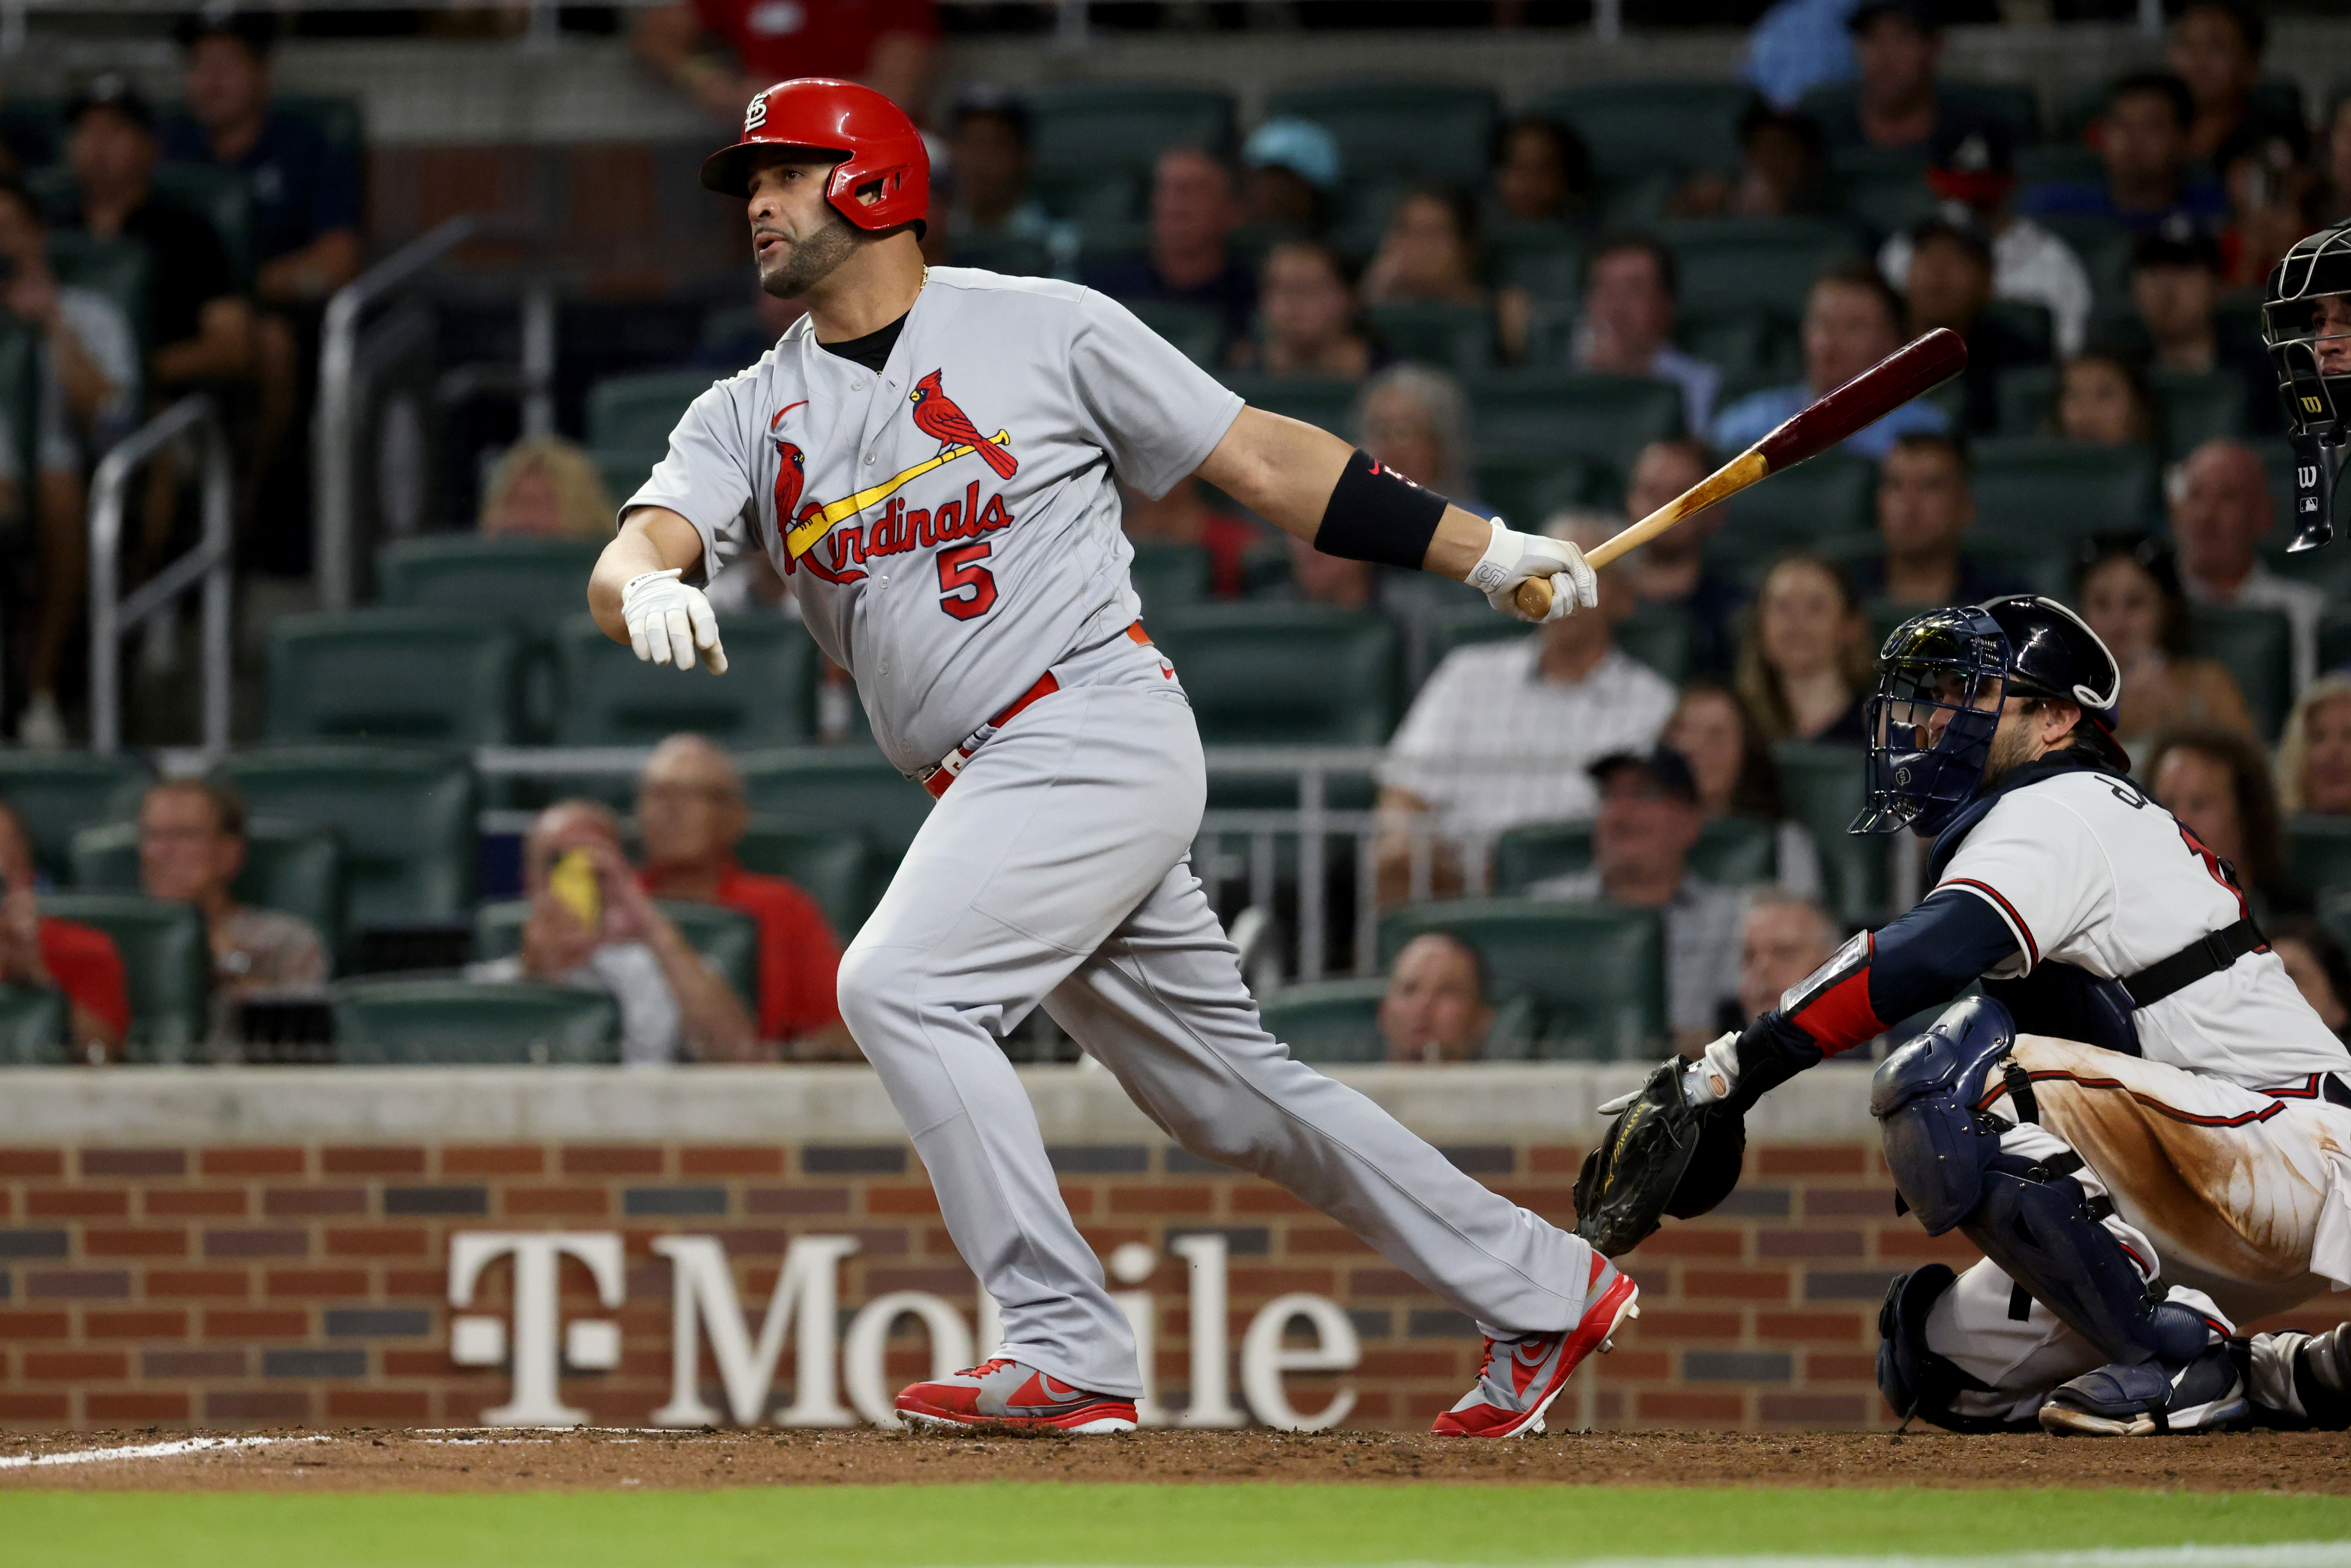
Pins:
x,y
1661,1156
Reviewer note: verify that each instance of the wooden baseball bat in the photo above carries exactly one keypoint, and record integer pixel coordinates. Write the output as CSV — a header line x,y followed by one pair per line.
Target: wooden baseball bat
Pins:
x,y
1916,368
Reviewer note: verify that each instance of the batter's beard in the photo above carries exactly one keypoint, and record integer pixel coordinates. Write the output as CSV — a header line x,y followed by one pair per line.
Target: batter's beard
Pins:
x,y
810,260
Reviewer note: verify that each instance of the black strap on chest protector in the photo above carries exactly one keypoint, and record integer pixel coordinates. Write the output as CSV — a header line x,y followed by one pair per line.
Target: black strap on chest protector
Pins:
x,y
2208,955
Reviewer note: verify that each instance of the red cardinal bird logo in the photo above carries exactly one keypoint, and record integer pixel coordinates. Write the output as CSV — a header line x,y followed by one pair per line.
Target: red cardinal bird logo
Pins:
x,y
791,473
937,414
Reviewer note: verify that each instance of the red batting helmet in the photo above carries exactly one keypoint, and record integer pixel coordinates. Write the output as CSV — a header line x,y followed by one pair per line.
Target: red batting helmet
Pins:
x,y
878,146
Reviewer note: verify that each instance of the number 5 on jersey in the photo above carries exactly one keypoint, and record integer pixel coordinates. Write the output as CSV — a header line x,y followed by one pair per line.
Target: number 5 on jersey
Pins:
x,y
959,569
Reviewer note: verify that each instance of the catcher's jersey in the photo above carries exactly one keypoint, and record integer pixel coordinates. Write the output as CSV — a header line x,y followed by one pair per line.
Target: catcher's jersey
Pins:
x,y
2086,870
950,525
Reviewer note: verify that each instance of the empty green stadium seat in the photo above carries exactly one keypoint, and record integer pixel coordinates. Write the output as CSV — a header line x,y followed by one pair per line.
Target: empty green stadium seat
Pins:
x,y
1284,674
33,1027
459,1023
1198,332
2257,648
2045,487
1884,190
611,697
2318,851
1835,493
1461,625
1328,1022
836,789
1753,345
414,675
1823,790
528,581
1168,576
836,869
288,866
1325,402
57,794
1423,129
2028,400
1546,259
1527,487
636,413
1659,636
2104,246
117,268
404,818
1595,972
1759,263
1457,337
1603,418
1083,127
224,197
727,938
167,964
2030,324
2198,408
1637,128
2016,105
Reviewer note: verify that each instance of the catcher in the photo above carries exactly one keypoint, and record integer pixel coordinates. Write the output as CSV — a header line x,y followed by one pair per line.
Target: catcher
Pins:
x,y
2139,1121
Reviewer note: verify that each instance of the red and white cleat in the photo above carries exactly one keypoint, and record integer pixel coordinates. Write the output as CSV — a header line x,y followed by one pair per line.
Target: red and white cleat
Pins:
x,y
1001,1393
1520,1377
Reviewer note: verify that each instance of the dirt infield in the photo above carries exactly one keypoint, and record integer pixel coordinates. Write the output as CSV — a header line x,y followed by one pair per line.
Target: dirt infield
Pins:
x,y
370,1461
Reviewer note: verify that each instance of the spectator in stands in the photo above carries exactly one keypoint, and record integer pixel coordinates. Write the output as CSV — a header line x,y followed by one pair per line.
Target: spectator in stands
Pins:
x,y
1290,174
2102,399
2174,284
1783,168
2143,139
2313,762
1627,325
2320,968
1501,732
1671,569
547,488
1924,509
191,844
1797,45
2217,782
1648,824
1803,665
1783,939
1851,321
1187,516
89,394
1896,44
2220,514
1194,211
1428,254
63,955
1948,286
1973,170
202,327
1309,320
1435,1009
1416,420
988,148
306,194
720,53
2129,593
673,1006
2216,50
1736,776
1544,173
692,816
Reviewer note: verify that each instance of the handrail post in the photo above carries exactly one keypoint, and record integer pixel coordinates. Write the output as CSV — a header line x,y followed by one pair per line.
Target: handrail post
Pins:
x,y
107,488
220,546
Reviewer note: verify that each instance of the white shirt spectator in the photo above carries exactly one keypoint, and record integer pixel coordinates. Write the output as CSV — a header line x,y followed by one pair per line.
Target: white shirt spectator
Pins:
x,y
1492,743
653,1031
2031,265
104,333
1702,927
2301,603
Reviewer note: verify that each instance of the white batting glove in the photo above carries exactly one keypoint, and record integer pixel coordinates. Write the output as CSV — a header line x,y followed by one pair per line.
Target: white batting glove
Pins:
x,y
668,621
1513,557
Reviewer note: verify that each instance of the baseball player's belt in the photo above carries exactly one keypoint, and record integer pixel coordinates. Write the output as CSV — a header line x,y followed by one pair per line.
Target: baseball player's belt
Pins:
x,y
936,778
2208,955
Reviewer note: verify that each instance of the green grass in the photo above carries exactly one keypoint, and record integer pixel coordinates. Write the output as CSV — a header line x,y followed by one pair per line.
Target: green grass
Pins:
x,y
1053,1524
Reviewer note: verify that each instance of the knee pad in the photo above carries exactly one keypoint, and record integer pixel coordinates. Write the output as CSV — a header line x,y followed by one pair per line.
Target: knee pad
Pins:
x,y
1915,1380
1924,1097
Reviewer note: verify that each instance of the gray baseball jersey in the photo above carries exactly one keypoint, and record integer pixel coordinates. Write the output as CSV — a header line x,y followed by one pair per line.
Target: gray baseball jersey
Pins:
x,y
951,525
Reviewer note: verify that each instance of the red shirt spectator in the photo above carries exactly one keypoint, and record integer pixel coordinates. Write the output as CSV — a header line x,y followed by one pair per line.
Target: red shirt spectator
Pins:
x,y
799,957
884,44
57,955
81,959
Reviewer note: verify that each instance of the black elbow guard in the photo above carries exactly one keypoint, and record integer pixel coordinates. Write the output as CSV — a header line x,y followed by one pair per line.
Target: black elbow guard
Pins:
x,y
1375,514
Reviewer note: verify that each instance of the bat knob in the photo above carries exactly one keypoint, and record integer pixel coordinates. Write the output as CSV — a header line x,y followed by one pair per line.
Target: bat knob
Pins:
x,y
1533,598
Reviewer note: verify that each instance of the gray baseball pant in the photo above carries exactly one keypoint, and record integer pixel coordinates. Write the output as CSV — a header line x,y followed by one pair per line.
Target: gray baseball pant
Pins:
x,y
1056,870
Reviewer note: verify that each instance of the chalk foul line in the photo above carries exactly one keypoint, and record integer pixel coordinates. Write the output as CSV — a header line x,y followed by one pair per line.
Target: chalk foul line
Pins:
x,y
170,1450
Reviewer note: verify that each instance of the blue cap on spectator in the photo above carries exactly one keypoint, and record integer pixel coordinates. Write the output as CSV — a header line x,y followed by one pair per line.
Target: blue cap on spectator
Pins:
x,y
1300,146
1664,766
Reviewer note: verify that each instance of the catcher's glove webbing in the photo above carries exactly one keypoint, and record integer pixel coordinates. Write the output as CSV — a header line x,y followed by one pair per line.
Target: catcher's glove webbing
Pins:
x,y
1661,1156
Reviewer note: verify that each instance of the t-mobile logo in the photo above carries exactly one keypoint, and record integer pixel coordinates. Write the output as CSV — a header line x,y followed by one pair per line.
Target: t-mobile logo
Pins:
x,y
587,1344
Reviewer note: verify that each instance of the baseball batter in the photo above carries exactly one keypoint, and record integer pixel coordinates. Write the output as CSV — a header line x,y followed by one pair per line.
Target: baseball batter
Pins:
x,y
931,458
2141,1123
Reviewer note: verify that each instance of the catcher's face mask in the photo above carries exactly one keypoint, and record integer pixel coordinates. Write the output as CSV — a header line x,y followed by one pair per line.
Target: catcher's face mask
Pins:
x,y
1941,679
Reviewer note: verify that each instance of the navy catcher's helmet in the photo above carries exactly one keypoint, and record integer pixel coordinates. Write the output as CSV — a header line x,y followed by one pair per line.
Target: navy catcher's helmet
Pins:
x,y
1942,677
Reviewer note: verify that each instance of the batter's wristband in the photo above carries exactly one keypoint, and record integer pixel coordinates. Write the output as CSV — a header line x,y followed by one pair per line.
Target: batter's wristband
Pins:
x,y
1375,514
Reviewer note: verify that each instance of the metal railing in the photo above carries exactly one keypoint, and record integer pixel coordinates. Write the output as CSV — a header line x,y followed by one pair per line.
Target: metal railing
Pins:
x,y
111,616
